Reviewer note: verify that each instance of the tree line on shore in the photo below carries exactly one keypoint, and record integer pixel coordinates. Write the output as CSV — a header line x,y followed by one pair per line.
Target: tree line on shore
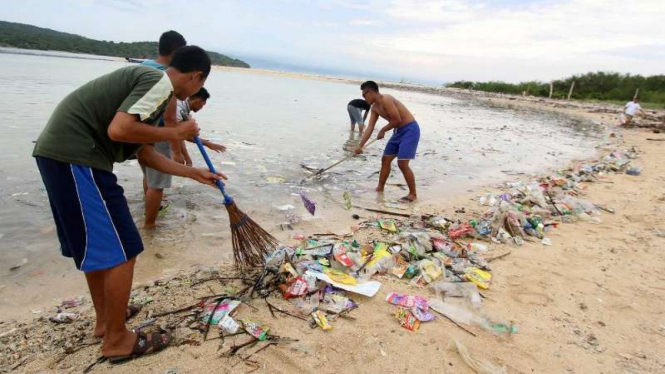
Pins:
x,y
19,35
606,86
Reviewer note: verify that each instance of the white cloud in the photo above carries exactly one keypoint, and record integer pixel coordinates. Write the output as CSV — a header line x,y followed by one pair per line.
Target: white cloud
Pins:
x,y
542,42
364,22
430,11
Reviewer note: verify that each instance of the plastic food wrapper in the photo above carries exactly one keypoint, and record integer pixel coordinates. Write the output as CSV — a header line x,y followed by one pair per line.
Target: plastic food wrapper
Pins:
x,y
411,271
64,318
388,225
422,315
275,180
429,270
337,303
218,312
311,282
479,277
298,287
418,242
309,204
277,258
480,367
369,288
321,320
229,325
407,301
407,320
460,231
319,250
401,265
347,200
380,252
340,277
339,252
288,268
255,329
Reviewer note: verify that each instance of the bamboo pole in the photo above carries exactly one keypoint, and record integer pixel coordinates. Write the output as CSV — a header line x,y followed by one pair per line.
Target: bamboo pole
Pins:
x,y
570,93
551,89
637,91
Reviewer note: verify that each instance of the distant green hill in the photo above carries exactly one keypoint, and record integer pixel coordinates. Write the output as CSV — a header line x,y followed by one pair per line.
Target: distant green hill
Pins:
x,y
19,35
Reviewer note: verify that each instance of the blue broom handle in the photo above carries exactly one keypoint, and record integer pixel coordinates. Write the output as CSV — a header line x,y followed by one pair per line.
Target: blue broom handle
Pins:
x,y
211,167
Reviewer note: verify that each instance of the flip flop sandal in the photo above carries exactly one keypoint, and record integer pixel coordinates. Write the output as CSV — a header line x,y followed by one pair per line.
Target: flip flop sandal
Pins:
x,y
144,347
406,199
133,310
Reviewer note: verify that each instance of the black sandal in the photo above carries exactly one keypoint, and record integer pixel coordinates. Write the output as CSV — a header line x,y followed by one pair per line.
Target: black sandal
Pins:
x,y
144,347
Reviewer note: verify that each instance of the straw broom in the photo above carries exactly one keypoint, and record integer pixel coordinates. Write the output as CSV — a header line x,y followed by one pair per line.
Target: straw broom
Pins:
x,y
251,243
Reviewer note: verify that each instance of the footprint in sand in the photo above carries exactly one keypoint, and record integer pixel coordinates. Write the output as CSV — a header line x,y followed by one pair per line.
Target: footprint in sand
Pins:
x,y
533,298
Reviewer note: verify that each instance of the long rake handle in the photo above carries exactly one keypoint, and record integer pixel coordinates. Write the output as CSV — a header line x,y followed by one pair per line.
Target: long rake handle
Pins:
x,y
227,199
340,161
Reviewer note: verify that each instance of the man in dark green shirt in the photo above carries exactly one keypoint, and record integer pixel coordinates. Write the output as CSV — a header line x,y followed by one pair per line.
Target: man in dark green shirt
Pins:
x,y
103,122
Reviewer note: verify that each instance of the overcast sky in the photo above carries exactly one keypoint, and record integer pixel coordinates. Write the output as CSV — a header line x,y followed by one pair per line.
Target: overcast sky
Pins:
x,y
436,41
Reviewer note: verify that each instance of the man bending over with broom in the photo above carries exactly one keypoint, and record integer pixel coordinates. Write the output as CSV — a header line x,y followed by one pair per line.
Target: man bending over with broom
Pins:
x,y
402,144
103,122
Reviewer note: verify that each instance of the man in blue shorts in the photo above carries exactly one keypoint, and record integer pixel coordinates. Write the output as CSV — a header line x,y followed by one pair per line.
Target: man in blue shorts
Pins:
x,y
402,144
105,121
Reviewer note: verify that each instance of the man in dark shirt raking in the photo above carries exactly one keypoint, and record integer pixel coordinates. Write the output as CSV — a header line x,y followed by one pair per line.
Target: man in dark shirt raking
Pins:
x,y
355,109
105,121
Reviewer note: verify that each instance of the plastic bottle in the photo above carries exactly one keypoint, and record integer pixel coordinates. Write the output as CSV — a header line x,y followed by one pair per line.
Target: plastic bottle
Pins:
x,y
457,314
478,247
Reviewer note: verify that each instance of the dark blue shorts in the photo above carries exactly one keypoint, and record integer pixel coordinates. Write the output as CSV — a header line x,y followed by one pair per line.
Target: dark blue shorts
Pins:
x,y
404,142
91,215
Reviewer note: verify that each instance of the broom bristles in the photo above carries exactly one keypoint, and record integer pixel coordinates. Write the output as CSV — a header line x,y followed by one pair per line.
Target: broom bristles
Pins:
x,y
251,243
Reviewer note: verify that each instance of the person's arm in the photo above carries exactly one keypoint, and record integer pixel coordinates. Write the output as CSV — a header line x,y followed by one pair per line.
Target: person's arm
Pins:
x,y
152,159
366,114
393,114
368,132
185,153
171,120
127,128
213,146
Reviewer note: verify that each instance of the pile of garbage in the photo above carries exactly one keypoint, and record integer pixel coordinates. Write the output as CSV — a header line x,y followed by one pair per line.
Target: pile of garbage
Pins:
x,y
319,279
446,254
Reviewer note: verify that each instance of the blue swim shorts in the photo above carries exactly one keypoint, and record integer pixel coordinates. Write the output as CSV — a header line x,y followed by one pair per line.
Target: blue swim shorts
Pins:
x,y
404,142
91,215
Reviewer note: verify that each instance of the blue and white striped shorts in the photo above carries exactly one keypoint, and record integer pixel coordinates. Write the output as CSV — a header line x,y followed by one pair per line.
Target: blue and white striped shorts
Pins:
x,y
91,215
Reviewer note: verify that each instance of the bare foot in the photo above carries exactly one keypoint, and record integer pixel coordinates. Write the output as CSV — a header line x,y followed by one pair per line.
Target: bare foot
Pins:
x,y
120,346
379,189
409,198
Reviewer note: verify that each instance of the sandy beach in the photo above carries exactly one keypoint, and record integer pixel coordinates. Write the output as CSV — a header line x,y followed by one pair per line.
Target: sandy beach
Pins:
x,y
590,303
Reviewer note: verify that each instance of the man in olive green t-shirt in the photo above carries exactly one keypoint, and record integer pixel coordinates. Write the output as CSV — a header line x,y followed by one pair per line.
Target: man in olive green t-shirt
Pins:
x,y
103,122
